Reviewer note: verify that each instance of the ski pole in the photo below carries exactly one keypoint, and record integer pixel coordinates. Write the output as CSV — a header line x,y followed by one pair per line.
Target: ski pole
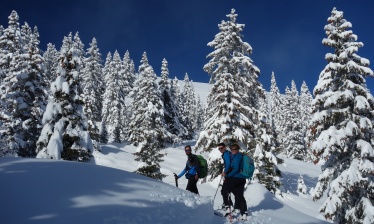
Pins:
x,y
176,179
217,188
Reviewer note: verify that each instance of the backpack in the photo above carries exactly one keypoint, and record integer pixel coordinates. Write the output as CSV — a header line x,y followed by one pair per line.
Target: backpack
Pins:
x,y
203,166
247,166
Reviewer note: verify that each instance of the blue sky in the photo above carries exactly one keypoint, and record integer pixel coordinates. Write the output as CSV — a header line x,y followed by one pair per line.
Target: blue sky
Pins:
x,y
286,36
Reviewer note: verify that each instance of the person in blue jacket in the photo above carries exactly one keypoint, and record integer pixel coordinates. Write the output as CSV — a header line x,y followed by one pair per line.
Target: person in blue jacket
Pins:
x,y
192,170
236,181
226,156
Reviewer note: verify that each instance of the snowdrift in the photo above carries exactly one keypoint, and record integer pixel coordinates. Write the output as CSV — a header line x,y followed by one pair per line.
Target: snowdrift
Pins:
x,y
48,191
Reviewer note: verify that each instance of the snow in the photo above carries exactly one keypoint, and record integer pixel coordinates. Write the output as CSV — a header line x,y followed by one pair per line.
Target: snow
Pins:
x,y
49,191
107,191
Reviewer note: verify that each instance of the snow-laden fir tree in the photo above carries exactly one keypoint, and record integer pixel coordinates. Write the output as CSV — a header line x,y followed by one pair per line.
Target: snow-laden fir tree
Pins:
x,y
26,32
129,72
230,117
79,46
198,114
93,89
147,125
341,129
51,59
103,133
23,97
148,153
305,107
114,107
107,67
266,172
171,112
232,104
187,103
147,118
293,139
175,94
276,111
10,43
64,134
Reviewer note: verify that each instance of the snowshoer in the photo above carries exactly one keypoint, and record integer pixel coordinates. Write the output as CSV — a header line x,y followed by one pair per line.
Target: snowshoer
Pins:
x,y
236,182
192,170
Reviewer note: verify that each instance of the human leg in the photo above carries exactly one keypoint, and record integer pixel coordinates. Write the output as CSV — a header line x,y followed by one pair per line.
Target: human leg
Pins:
x,y
192,185
236,186
226,194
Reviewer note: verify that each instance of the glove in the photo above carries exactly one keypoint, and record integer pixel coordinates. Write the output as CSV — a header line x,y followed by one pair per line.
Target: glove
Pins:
x,y
175,176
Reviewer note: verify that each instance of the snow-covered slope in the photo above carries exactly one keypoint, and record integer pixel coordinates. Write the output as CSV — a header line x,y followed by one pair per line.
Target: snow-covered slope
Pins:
x,y
47,191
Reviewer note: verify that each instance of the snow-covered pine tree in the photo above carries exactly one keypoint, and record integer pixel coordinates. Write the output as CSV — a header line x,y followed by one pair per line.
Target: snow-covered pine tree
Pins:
x,y
267,172
175,95
37,87
10,42
114,106
196,111
26,32
79,46
23,97
232,104
93,89
147,126
64,135
103,133
147,118
230,116
305,106
198,114
293,141
148,153
187,102
51,59
107,68
129,72
276,112
341,129
171,114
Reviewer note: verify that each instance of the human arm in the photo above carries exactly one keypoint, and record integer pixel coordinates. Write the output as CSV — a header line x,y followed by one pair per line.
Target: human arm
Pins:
x,y
183,172
227,162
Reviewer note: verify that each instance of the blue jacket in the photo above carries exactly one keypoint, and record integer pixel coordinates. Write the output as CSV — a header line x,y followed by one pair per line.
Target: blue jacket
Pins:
x,y
192,167
226,156
236,160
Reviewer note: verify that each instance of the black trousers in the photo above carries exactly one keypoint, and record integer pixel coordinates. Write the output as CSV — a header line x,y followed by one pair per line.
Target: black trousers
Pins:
x,y
225,194
236,186
191,185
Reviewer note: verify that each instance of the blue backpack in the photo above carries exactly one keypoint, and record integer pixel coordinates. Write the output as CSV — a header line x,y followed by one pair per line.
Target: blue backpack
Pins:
x,y
247,166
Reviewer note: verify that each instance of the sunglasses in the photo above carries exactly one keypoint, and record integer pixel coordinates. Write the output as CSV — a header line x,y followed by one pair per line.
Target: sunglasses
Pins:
x,y
221,148
187,150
